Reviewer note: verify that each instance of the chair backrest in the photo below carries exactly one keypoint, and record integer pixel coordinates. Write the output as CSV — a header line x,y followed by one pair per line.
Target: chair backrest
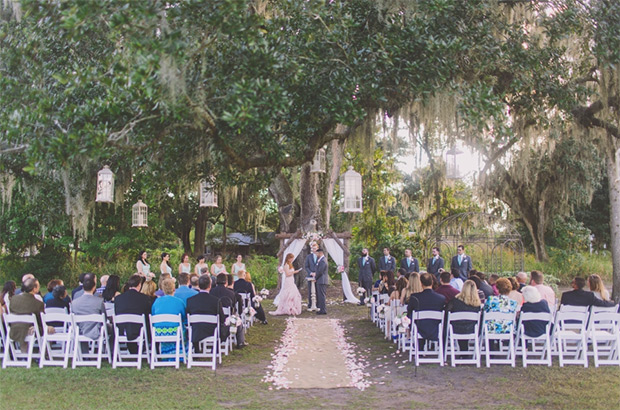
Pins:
x,y
246,299
226,310
209,319
94,318
542,316
604,321
10,318
466,316
55,310
571,320
499,316
596,309
572,308
428,315
50,317
129,318
383,298
165,318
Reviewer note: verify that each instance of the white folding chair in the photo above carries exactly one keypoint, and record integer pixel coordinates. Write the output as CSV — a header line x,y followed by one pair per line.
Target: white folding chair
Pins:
x,y
174,336
96,348
373,306
524,340
58,344
395,311
570,335
453,338
122,357
248,319
573,308
604,335
2,336
208,347
431,351
13,356
504,354
109,310
227,345
55,310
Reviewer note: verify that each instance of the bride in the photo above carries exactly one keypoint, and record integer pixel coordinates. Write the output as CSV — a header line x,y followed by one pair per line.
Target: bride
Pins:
x,y
289,297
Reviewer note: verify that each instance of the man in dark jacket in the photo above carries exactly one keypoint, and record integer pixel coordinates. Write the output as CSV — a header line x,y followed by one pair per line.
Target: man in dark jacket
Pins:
x,y
580,297
205,303
228,298
426,300
243,286
135,303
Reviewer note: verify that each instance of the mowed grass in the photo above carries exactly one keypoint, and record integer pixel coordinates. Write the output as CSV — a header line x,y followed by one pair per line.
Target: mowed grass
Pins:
x,y
238,382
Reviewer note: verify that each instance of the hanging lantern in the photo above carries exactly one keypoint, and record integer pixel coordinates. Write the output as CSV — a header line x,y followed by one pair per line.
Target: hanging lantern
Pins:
x,y
319,162
618,164
208,196
139,215
452,167
351,191
105,185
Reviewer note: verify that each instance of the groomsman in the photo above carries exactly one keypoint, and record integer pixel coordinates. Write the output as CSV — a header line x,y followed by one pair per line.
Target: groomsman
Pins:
x,y
387,262
321,282
367,269
462,263
435,263
409,263
310,268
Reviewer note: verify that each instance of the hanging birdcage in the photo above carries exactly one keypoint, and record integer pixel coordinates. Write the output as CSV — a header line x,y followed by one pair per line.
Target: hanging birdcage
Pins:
x,y
208,195
452,166
105,185
319,164
351,191
139,215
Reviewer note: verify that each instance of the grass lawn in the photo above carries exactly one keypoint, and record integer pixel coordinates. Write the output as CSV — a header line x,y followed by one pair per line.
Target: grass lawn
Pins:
x,y
238,382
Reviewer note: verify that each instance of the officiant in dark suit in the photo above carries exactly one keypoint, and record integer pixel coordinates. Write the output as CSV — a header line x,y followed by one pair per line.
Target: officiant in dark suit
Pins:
x,y
310,267
409,263
367,268
462,263
435,263
322,279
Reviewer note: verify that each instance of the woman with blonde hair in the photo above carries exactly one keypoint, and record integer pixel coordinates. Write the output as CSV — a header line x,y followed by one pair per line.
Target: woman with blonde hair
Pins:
x,y
466,301
289,298
149,288
413,286
598,288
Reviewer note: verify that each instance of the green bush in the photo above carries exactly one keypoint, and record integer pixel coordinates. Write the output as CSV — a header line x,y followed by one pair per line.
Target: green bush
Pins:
x,y
565,265
263,269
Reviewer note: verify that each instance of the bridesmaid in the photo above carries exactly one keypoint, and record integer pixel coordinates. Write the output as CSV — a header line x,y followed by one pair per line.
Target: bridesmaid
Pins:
x,y
185,266
218,267
142,264
165,266
237,266
200,265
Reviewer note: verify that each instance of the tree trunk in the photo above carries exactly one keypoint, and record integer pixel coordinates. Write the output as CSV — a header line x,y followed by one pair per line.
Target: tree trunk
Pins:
x,y
76,245
537,232
224,236
187,246
613,176
310,206
200,232
281,192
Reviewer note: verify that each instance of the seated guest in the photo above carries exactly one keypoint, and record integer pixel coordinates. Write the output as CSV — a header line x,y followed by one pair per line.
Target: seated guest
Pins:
x,y
149,288
514,294
112,288
400,286
104,281
135,303
521,280
50,287
25,277
455,281
59,299
168,304
230,284
401,273
206,304
184,292
377,284
248,278
242,286
89,304
387,285
492,280
579,297
445,288
484,286
162,278
228,298
25,304
413,286
426,300
466,301
598,288
545,291
476,281
534,303
193,281
501,303
77,293
79,287
8,291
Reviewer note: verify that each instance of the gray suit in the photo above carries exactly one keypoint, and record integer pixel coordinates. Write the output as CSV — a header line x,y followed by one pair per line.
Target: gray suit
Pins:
x,y
88,305
322,279
310,267
367,269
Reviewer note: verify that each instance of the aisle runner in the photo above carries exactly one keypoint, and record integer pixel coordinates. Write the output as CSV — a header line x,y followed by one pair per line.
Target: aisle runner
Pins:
x,y
314,354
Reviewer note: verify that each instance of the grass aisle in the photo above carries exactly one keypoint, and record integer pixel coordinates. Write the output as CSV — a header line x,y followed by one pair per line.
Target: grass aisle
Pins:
x,y
238,383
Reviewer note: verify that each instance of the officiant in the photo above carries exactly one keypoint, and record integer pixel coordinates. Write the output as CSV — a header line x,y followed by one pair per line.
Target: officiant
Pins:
x,y
310,267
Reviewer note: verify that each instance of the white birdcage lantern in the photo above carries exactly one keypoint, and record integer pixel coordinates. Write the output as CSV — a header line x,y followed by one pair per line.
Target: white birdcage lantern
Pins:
x,y
105,185
452,167
319,162
351,191
208,195
139,215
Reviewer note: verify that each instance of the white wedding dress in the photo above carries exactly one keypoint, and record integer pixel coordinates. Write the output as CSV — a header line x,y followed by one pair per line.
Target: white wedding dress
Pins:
x,y
289,298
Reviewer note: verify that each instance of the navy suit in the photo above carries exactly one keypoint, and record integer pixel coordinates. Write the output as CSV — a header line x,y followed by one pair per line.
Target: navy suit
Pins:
x,y
322,279
410,265
390,264
206,304
464,267
310,267
427,300
433,266
135,303
367,269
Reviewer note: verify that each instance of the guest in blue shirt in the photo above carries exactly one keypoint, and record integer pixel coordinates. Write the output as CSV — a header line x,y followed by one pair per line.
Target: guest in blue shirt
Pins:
x,y
50,288
168,305
184,292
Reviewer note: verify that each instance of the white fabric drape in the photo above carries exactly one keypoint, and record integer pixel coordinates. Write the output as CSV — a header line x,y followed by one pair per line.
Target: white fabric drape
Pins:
x,y
337,253
295,247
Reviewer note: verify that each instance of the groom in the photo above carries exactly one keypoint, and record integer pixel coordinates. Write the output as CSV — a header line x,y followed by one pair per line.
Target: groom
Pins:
x,y
321,281
310,268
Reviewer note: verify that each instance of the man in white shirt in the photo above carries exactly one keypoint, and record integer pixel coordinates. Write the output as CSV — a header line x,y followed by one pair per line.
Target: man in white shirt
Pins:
x,y
545,291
